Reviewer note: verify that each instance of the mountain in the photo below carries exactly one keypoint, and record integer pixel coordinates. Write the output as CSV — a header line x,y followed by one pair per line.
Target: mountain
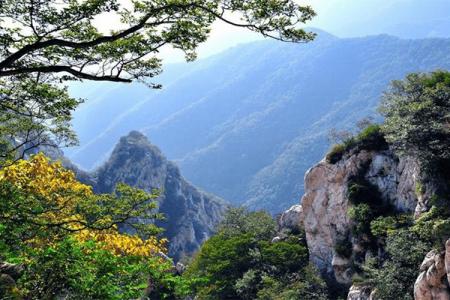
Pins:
x,y
247,124
403,18
190,215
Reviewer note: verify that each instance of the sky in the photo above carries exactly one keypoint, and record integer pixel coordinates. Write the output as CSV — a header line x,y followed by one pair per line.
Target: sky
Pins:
x,y
223,36
343,18
348,18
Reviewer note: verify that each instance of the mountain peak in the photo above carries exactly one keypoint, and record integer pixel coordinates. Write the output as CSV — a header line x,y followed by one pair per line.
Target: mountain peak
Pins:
x,y
191,215
136,136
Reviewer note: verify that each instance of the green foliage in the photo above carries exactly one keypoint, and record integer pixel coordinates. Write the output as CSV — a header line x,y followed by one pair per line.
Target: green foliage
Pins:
x,y
33,113
382,226
420,189
433,226
369,138
239,221
416,112
45,43
75,270
361,215
367,205
335,154
307,286
83,272
222,261
241,262
394,278
343,246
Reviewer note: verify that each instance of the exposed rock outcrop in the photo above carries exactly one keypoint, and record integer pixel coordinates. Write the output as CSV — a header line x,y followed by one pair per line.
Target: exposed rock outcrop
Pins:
x,y
434,277
292,218
9,273
325,203
357,292
191,215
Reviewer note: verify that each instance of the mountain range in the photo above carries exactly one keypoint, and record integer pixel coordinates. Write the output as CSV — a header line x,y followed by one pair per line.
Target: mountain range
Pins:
x,y
246,124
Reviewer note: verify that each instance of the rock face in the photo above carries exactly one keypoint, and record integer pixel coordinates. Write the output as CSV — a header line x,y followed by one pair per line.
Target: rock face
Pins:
x,y
325,203
359,293
433,281
191,215
292,218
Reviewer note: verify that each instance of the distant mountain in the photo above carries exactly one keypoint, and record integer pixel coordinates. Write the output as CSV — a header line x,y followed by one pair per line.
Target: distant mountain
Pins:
x,y
190,214
402,18
247,124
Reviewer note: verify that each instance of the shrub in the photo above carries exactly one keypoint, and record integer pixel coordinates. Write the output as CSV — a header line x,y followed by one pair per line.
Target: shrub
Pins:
x,y
382,226
370,138
335,154
394,278
361,215
343,246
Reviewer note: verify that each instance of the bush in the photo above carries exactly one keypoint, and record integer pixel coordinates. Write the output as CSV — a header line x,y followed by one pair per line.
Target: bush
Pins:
x,y
382,226
370,138
343,246
394,278
361,215
335,154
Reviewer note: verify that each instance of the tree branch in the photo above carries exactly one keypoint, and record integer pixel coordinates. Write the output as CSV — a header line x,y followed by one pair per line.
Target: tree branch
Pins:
x,y
59,69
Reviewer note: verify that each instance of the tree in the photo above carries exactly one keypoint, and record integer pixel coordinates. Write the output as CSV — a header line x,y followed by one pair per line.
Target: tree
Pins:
x,y
46,42
394,278
241,262
68,239
417,116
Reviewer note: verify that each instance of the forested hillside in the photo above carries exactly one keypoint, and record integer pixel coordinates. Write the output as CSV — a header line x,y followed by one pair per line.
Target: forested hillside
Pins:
x,y
248,123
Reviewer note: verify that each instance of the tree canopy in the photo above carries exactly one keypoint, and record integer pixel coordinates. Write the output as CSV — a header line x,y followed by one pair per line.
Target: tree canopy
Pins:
x,y
242,262
44,43
417,116
67,240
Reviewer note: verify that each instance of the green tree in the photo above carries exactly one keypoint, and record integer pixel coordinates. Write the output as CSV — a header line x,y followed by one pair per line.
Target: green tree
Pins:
x,y
46,42
241,262
417,116
239,221
394,277
67,238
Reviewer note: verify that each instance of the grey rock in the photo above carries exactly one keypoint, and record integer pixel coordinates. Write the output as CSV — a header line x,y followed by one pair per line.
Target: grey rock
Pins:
x,y
292,218
191,215
357,292
432,282
325,204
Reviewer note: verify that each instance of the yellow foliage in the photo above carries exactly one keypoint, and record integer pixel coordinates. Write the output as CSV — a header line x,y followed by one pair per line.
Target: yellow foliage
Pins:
x,y
123,244
57,191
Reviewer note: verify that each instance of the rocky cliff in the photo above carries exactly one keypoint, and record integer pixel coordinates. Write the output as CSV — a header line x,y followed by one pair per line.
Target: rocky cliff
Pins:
x,y
434,278
324,213
190,214
326,204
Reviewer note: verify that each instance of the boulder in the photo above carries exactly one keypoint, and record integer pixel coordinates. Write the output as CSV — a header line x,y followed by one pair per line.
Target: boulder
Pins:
x,y
432,282
292,218
358,292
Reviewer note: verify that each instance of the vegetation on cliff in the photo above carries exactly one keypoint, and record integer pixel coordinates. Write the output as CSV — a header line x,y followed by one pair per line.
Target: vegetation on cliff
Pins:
x,y
416,125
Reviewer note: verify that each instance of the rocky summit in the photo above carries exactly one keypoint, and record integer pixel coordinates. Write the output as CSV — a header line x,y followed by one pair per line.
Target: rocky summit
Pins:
x,y
190,214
